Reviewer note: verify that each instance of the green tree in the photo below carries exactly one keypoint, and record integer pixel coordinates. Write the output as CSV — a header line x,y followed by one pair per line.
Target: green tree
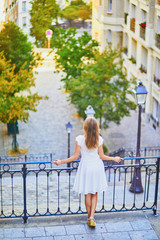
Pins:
x,y
104,85
16,98
78,3
71,52
15,46
90,6
70,13
42,15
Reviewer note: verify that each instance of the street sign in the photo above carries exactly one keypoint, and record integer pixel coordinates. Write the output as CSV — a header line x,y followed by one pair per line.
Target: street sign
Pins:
x,y
49,35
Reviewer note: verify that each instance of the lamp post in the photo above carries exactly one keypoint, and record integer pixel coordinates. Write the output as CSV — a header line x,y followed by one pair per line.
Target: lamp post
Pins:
x,y
68,129
136,186
89,111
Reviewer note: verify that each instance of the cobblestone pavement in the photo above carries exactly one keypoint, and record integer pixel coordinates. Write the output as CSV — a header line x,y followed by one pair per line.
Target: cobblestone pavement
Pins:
x,y
126,226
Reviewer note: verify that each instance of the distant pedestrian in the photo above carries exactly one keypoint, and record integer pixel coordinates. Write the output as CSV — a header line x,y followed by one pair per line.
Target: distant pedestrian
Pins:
x,y
90,178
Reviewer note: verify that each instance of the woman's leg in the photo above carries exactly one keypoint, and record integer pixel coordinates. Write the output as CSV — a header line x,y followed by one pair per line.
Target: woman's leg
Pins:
x,y
88,202
93,204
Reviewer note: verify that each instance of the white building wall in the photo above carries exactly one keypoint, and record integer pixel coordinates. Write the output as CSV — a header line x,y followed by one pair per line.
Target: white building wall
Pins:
x,y
17,13
2,14
140,44
24,14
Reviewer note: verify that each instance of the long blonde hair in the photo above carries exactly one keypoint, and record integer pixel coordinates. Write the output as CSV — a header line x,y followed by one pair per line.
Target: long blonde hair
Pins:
x,y
91,132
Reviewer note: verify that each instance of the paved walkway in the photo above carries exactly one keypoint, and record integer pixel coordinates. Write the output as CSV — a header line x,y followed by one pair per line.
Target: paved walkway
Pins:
x,y
125,134
46,129
115,226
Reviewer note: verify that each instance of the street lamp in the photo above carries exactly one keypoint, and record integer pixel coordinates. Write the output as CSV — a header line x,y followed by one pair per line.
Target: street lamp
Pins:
x,y
68,129
141,94
89,111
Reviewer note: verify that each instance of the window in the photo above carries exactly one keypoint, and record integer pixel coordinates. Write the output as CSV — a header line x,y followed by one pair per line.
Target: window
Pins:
x,y
158,68
144,60
24,6
96,36
155,109
159,25
126,40
109,5
24,21
127,6
134,49
109,36
133,11
143,16
126,43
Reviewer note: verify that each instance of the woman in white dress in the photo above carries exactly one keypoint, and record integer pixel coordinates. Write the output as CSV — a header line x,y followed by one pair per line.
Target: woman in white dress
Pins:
x,y
90,178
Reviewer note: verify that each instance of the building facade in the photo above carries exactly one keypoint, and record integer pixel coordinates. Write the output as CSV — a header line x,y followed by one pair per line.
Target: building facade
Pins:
x,y
18,11
2,14
135,25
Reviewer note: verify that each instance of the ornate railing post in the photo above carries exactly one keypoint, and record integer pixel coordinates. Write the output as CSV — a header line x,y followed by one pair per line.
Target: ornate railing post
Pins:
x,y
156,187
24,170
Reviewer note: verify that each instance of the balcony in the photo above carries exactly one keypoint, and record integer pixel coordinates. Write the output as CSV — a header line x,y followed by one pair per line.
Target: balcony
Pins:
x,y
143,30
157,39
133,60
132,24
125,18
157,80
143,69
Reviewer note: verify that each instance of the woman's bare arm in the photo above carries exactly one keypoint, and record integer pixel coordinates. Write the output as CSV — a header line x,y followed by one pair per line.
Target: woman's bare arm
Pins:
x,y
72,158
105,157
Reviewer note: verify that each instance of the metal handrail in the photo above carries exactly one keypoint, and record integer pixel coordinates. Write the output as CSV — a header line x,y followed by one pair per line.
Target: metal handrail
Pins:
x,y
49,162
115,173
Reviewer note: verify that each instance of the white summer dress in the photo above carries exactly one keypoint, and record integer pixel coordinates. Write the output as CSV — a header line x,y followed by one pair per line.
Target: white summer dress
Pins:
x,y
90,177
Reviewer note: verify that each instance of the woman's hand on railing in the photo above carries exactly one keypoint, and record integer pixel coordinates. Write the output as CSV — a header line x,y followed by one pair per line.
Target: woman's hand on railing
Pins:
x,y
117,159
57,162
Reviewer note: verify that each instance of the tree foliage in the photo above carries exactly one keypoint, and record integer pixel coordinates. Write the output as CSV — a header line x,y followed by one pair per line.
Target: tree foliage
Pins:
x,y
16,98
71,52
104,85
15,46
70,13
42,15
76,9
83,15
78,3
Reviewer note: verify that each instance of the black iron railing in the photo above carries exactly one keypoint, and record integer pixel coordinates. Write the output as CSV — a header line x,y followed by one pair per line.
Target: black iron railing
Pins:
x,y
131,152
156,122
143,69
31,189
157,40
157,80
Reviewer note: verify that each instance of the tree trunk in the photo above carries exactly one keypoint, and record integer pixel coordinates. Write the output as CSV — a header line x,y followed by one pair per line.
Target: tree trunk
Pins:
x,y
70,23
83,23
14,147
100,121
